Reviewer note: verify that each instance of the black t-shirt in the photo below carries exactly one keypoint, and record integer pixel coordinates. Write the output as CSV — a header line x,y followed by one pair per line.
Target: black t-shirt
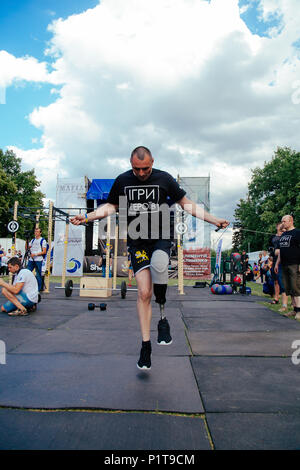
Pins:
x,y
145,204
274,242
289,244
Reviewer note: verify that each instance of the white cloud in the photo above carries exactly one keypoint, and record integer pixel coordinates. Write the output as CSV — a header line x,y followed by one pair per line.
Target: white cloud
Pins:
x,y
16,69
187,79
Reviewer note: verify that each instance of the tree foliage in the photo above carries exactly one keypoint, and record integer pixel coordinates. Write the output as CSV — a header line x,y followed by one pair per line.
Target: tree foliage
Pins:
x,y
273,192
21,186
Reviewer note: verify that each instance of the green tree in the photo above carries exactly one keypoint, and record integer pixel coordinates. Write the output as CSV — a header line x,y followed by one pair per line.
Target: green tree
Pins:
x,y
273,191
21,186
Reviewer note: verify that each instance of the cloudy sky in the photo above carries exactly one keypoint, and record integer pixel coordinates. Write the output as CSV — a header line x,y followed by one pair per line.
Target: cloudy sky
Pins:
x,y
211,87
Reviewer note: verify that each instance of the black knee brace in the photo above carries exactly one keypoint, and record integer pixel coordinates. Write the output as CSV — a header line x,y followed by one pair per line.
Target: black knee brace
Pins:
x,y
160,293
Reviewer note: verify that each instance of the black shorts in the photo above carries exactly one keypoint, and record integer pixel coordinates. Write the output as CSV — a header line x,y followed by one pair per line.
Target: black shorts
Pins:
x,y
291,279
140,255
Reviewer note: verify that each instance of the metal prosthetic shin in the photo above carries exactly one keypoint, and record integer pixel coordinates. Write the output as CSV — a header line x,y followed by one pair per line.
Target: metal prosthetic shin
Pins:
x,y
159,272
160,297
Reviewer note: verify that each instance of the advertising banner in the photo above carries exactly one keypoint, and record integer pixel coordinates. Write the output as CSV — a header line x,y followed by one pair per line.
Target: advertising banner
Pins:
x,y
70,197
196,239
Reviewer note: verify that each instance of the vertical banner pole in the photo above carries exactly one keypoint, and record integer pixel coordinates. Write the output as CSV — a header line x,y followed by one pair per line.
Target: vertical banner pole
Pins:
x,y
48,259
14,239
13,248
107,249
63,277
179,251
37,219
180,258
116,253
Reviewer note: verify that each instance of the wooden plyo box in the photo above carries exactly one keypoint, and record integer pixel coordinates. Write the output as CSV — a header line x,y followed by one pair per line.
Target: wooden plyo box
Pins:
x,y
89,286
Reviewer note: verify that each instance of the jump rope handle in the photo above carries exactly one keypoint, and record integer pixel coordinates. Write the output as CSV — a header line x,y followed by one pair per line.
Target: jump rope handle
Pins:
x,y
217,229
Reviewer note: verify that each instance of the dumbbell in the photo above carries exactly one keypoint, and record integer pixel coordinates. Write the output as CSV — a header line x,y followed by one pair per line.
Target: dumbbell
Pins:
x,y
92,306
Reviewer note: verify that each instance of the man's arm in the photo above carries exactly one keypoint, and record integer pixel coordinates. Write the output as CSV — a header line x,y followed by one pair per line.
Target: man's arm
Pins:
x,y
14,289
39,253
277,263
101,212
192,208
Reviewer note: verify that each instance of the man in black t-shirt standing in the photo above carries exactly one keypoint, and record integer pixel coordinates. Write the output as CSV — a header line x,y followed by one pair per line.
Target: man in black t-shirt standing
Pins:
x,y
277,278
289,257
142,196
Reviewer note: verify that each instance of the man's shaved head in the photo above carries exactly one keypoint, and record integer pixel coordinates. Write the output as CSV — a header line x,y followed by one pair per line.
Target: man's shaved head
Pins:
x,y
141,153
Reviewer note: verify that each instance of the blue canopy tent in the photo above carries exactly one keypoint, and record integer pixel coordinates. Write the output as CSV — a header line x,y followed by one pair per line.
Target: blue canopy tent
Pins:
x,y
99,190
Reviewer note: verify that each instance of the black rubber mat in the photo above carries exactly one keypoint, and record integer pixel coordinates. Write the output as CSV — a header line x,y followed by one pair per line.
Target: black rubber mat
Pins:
x,y
254,431
61,430
248,384
104,342
254,343
252,320
108,382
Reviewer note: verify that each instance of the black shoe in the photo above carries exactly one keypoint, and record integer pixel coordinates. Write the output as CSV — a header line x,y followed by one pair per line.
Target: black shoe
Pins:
x,y
144,362
164,336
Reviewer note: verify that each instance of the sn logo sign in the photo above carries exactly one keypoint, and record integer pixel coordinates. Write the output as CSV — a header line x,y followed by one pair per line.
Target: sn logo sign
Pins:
x,y
296,354
2,352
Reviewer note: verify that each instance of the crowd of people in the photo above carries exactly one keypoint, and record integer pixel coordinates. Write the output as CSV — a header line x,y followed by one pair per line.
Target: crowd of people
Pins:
x,y
5,256
278,269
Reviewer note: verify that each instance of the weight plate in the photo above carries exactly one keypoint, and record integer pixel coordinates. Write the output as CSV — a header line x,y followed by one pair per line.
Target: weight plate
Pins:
x,y
123,289
69,288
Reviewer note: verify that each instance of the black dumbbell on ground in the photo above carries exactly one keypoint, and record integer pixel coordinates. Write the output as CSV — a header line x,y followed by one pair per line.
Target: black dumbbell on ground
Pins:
x,y
92,306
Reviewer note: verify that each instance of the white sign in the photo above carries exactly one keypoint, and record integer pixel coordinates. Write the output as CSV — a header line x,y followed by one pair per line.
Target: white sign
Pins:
x,y
13,226
70,193
2,352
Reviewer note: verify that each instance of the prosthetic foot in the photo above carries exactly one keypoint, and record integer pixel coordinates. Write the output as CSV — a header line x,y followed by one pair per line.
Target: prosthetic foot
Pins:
x,y
163,327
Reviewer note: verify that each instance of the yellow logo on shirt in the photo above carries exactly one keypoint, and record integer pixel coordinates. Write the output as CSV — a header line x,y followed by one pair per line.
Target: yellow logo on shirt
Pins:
x,y
141,256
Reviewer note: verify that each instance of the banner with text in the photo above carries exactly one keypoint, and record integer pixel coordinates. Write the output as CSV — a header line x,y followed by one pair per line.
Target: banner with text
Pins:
x,y
70,196
196,239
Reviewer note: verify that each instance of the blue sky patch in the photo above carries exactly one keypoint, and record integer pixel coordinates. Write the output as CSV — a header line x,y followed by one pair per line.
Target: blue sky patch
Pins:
x,y
253,19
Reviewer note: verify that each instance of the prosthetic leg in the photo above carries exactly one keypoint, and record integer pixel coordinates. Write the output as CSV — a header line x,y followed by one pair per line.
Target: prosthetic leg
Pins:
x,y
160,297
159,271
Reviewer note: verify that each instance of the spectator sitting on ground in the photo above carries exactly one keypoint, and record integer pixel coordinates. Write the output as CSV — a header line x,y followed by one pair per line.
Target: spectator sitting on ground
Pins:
x,y
268,287
255,271
22,295
249,273
263,257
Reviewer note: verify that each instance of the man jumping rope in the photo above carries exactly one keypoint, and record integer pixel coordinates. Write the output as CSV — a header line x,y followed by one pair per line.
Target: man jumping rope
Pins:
x,y
147,190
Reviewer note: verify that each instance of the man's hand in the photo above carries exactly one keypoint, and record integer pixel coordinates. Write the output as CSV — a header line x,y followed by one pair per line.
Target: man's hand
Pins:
x,y
78,219
222,223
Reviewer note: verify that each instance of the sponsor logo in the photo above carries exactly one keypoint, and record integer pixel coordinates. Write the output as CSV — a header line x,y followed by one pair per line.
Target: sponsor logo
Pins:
x,y
73,265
